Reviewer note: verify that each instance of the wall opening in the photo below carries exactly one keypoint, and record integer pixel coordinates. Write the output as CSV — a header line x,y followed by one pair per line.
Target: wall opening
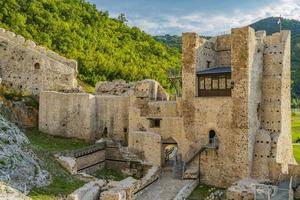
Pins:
x,y
169,152
37,66
154,123
212,136
105,132
208,64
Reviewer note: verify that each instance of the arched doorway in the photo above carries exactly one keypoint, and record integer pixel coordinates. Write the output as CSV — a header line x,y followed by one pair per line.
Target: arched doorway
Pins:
x,y
169,152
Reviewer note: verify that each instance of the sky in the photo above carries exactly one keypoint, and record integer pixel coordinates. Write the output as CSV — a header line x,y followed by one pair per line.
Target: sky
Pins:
x,y
206,17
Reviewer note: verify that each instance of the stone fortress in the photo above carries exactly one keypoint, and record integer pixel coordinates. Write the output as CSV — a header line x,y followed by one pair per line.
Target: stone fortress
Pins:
x,y
232,122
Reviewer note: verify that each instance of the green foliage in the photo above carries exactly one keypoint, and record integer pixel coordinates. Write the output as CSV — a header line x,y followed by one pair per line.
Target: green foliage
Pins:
x,y
44,147
296,149
170,40
105,48
11,93
296,134
270,26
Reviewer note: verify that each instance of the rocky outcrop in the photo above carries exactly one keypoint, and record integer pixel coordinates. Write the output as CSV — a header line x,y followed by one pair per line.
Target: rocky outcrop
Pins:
x,y
9,193
19,166
22,112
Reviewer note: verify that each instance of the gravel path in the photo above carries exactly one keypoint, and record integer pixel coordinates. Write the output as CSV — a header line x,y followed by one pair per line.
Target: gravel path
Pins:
x,y
165,188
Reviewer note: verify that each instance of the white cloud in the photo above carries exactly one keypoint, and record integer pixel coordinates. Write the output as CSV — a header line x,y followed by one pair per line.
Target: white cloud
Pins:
x,y
206,23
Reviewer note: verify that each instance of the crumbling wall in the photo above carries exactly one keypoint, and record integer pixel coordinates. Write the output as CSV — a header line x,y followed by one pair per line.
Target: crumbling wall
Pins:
x,y
112,117
162,109
67,114
215,52
147,144
207,53
223,51
32,68
256,47
145,89
276,111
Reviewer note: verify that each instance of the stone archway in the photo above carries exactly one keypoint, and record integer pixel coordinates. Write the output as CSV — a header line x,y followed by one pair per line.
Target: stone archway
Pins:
x,y
169,152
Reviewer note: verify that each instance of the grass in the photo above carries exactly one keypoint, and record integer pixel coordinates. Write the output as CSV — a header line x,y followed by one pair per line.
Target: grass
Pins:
x,y
295,126
53,143
109,174
296,134
62,183
202,191
296,149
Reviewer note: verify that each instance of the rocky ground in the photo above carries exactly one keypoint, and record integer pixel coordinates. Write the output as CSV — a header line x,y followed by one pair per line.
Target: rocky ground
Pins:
x,y
19,166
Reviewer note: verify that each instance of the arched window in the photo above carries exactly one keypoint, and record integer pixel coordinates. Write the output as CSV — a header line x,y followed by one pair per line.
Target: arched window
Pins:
x,y
212,136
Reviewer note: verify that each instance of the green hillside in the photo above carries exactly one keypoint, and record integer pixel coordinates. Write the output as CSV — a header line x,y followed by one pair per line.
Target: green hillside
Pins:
x,y
170,40
105,48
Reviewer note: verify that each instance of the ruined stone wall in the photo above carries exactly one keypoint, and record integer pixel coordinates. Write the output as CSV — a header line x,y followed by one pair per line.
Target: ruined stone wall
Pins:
x,y
161,109
112,117
223,51
285,149
276,113
146,144
256,47
67,114
32,68
207,53
215,52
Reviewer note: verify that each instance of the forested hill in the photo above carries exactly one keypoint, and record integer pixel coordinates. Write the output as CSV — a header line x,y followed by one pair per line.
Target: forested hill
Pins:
x,y
170,40
105,48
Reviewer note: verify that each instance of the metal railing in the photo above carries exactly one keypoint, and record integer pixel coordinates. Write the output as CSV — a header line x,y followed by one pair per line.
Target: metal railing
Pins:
x,y
271,192
213,143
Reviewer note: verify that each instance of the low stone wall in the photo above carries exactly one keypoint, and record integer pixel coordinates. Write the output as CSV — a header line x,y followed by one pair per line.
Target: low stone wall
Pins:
x,y
128,188
103,154
91,159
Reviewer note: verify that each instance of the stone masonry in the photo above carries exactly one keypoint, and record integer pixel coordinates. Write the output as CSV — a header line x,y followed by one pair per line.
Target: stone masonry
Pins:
x,y
32,68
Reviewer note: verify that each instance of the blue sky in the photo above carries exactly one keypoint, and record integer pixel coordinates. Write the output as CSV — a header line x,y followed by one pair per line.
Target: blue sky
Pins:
x,y
209,17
